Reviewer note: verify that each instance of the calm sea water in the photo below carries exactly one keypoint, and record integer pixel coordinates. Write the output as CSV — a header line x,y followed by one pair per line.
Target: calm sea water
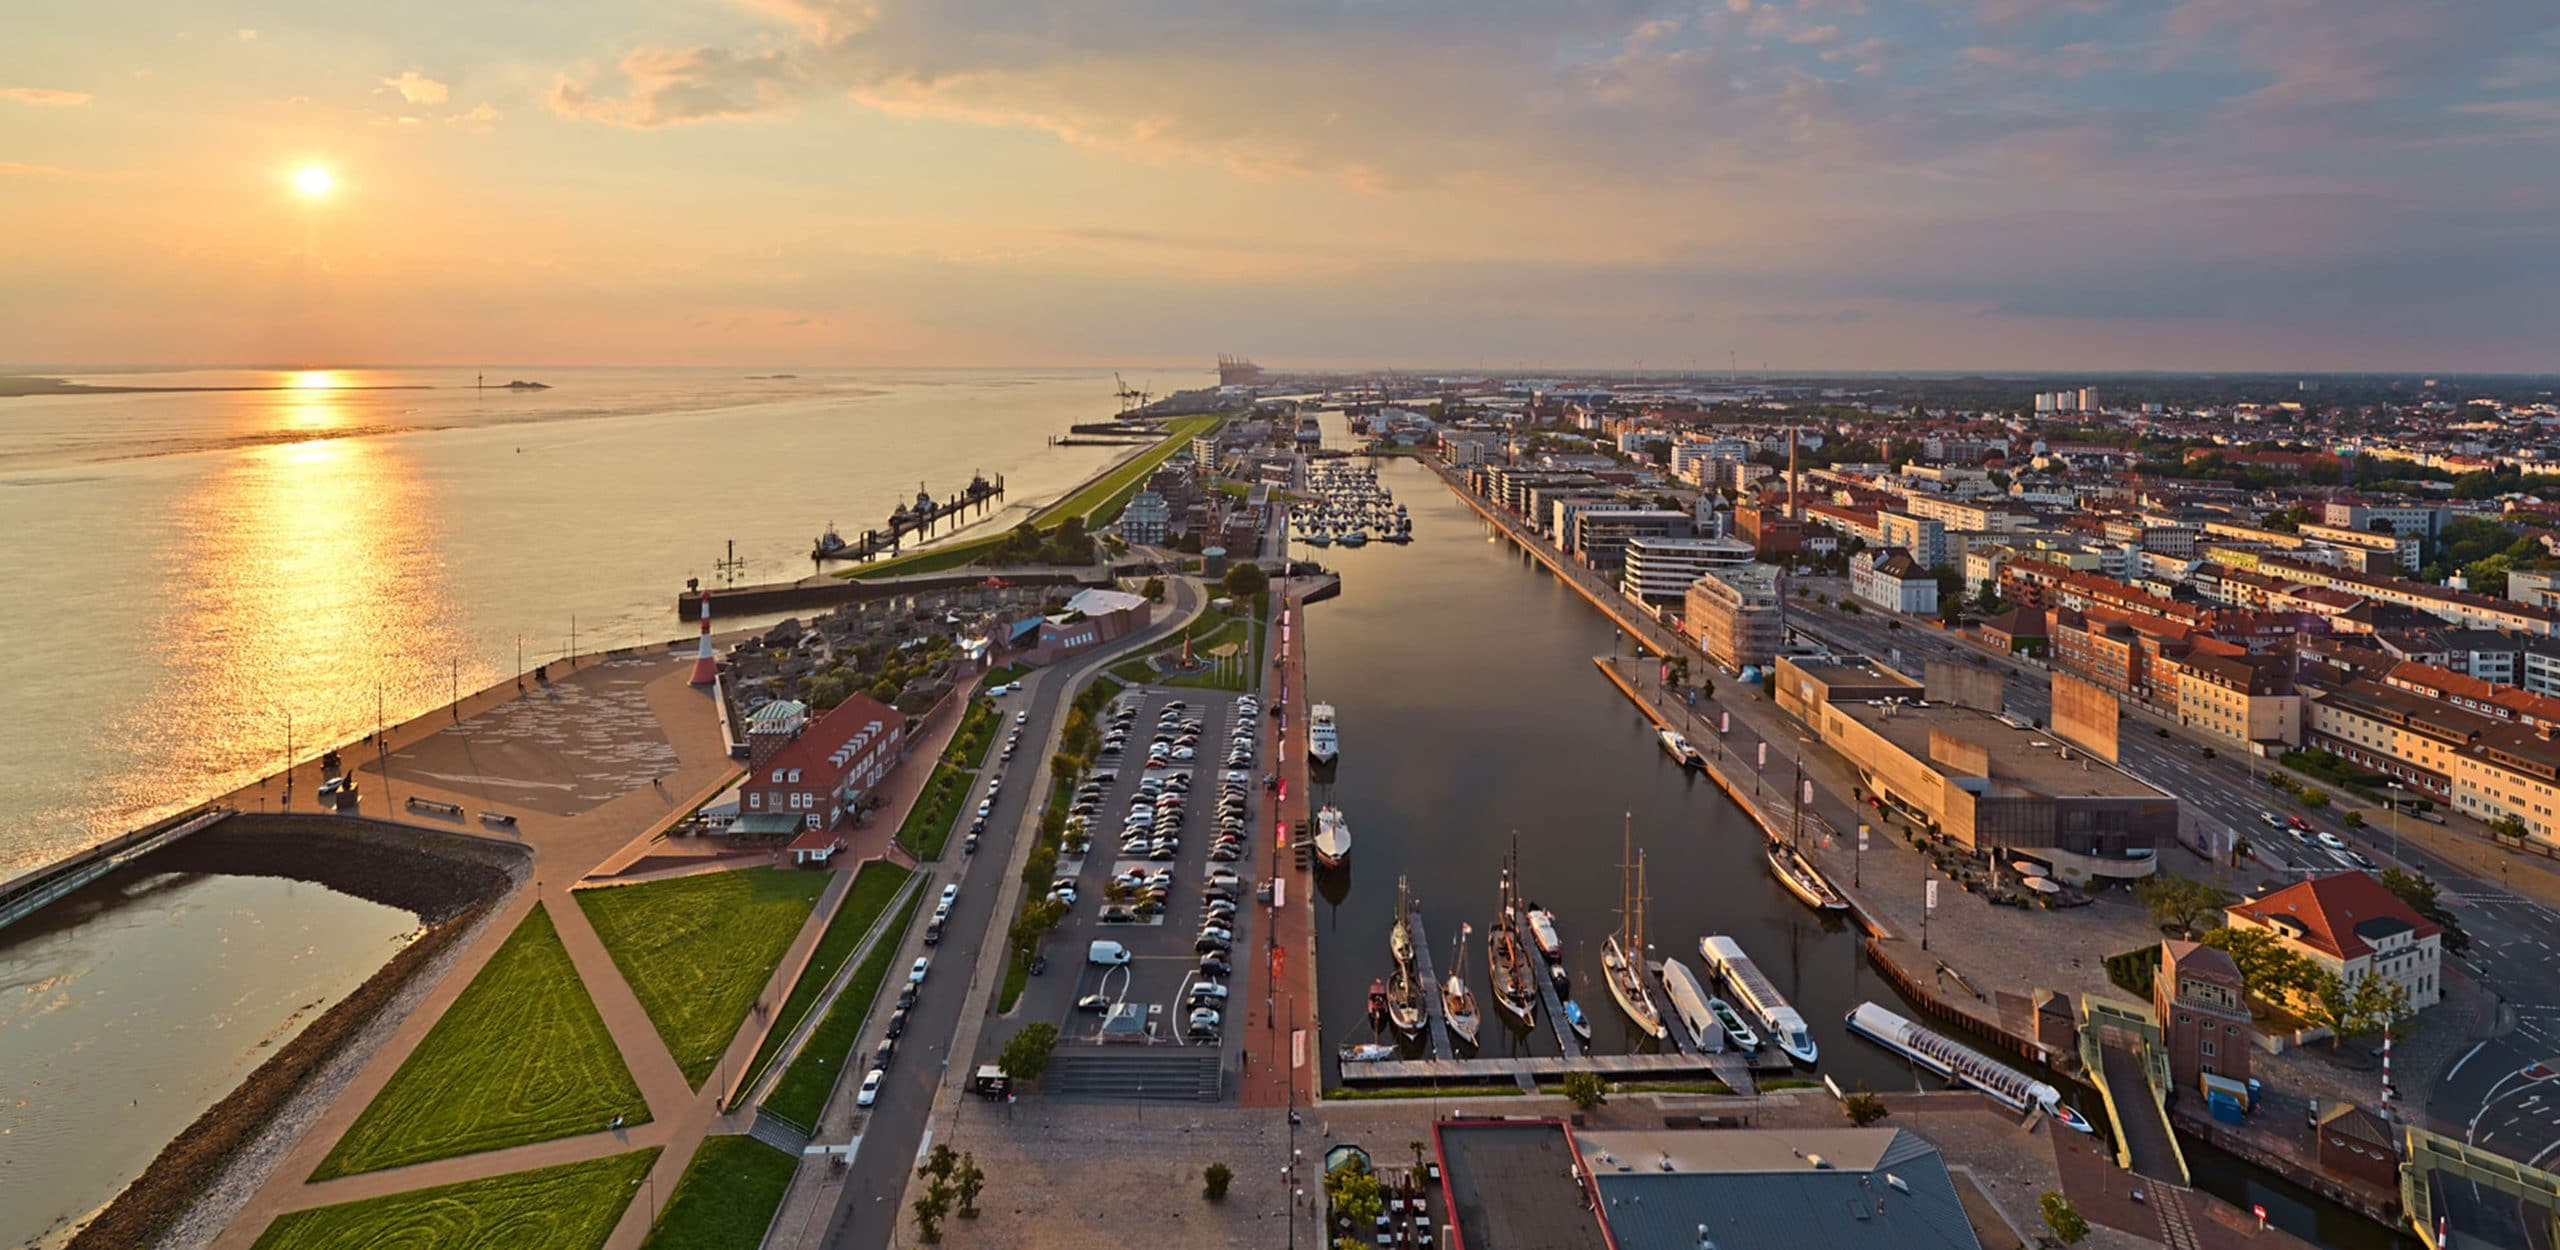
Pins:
x,y
129,1007
190,571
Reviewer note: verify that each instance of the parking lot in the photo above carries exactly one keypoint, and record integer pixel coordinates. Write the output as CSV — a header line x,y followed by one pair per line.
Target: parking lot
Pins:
x,y
1170,857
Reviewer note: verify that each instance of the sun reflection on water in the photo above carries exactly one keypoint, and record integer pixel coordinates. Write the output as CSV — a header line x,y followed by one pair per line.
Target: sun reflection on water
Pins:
x,y
303,579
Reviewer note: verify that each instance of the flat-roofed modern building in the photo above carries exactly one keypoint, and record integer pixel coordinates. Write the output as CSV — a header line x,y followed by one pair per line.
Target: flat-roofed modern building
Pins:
x,y
1738,614
1659,570
1985,781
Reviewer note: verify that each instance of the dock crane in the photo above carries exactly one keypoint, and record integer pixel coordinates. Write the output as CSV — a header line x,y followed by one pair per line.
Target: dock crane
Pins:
x,y
1131,399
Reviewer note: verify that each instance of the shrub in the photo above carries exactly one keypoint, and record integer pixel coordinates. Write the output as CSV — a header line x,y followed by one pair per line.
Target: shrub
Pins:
x,y
1214,1182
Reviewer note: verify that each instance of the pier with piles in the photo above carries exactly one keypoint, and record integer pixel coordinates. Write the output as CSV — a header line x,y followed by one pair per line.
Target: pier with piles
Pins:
x,y
919,518
1553,1002
1435,1025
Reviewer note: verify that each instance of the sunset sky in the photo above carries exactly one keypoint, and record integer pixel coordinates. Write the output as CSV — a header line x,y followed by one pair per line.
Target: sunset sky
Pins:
x,y
1922,184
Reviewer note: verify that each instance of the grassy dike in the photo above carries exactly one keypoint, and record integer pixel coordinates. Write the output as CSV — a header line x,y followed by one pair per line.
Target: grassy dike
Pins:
x,y
1098,498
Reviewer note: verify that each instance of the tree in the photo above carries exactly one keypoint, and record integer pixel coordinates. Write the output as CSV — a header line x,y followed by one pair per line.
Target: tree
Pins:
x,y
1154,590
1246,579
930,1208
968,1183
2271,972
1026,1056
1214,1181
2063,1218
2509,827
1354,1194
1863,1107
2180,902
1586,1089
2312,797
2354,820
2421,896
2354,1008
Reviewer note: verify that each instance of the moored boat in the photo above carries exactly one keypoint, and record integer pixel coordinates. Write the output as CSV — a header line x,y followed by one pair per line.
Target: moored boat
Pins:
x,y
1457,1002
1759,996
1404,1003
1507,965
1542,930
1676,745
1803,880
1400,934
1620,953
1378,1002
1323,736
1735,1029
1574,1019
1962,1064
1333,837
1689,1005
1366,1052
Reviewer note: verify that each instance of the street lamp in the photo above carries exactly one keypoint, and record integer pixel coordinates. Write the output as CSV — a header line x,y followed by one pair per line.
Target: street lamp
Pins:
x,y
2394,788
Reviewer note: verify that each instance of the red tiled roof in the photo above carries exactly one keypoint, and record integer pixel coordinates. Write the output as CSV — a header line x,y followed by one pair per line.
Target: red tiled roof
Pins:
x,y
841,724
2329,909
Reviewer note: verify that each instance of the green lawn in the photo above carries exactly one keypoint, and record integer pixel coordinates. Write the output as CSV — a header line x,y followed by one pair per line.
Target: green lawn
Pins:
x,y
802,1092
698,950
520,1057
929,823
871,893
1101,497
569,1207
1135,672
726,1199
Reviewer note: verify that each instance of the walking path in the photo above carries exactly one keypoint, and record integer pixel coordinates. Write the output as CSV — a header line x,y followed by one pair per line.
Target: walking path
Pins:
x,y
569,853
1286,1068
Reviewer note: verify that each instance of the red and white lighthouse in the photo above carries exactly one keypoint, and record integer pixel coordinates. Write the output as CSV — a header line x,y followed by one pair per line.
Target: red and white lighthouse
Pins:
x,y
706,667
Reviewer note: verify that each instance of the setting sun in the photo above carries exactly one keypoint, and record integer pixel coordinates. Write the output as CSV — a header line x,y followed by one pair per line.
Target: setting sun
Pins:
x,y
313,181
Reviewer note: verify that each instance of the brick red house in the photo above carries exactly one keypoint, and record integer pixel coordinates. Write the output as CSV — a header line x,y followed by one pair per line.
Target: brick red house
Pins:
x,y
2204,1017
823,771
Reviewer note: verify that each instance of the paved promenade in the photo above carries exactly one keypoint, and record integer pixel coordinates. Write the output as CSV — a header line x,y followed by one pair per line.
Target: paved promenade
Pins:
x,y
569,844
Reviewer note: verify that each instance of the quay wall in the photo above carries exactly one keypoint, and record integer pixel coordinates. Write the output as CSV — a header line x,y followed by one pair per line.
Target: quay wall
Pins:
x,y
826,591
2364,1201
1641,627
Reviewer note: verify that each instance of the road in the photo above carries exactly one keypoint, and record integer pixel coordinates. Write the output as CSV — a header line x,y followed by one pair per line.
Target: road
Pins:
x,y
968,965
2489,1095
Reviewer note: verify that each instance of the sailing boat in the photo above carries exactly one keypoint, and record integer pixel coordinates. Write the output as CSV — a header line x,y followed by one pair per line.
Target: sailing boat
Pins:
x,y
1512,989
1400,938
1621,955
1404,1003
1456,1003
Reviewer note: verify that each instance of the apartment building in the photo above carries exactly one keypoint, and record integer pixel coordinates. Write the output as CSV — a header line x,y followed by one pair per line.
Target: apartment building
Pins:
x,y
1737,614
1659,570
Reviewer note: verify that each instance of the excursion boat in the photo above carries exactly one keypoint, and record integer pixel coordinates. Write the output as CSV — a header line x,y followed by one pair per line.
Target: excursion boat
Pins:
x,y
1735,1029
1689,1003
1962,1064
1457,1004
1760,997
1802,880
1333,837
1618,955
1323,741
1366,1052
1676,745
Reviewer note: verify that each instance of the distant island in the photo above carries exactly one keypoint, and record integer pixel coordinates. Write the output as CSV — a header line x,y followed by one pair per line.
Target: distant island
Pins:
x,y
521,385
16,386
771,377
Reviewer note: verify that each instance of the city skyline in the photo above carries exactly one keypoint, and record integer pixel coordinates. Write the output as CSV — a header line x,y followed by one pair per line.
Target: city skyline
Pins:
x,y
1826,185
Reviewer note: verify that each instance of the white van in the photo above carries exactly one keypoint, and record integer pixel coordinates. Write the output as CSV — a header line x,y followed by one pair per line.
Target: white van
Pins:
x,y
1108,954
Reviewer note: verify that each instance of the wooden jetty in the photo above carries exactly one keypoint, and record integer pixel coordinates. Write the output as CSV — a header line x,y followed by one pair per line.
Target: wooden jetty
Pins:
x,y
1435,1025
1547,997
1732,1069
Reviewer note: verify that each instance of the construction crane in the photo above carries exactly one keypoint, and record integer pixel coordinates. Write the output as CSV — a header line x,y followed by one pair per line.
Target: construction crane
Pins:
x,y
1130,399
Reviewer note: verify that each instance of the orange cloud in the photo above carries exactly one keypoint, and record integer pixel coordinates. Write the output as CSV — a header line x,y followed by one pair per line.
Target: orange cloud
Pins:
x,y
44,97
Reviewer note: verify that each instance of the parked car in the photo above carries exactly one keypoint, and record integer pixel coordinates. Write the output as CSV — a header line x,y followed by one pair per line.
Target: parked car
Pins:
x,y
915,975
870,1088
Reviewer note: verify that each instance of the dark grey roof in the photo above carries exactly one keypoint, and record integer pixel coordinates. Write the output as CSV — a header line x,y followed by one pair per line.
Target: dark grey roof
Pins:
x,y
1810,1209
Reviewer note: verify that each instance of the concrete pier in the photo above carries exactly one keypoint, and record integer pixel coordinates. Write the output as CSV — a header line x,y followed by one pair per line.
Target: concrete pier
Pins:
x,y
1435,1025
1566,1040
